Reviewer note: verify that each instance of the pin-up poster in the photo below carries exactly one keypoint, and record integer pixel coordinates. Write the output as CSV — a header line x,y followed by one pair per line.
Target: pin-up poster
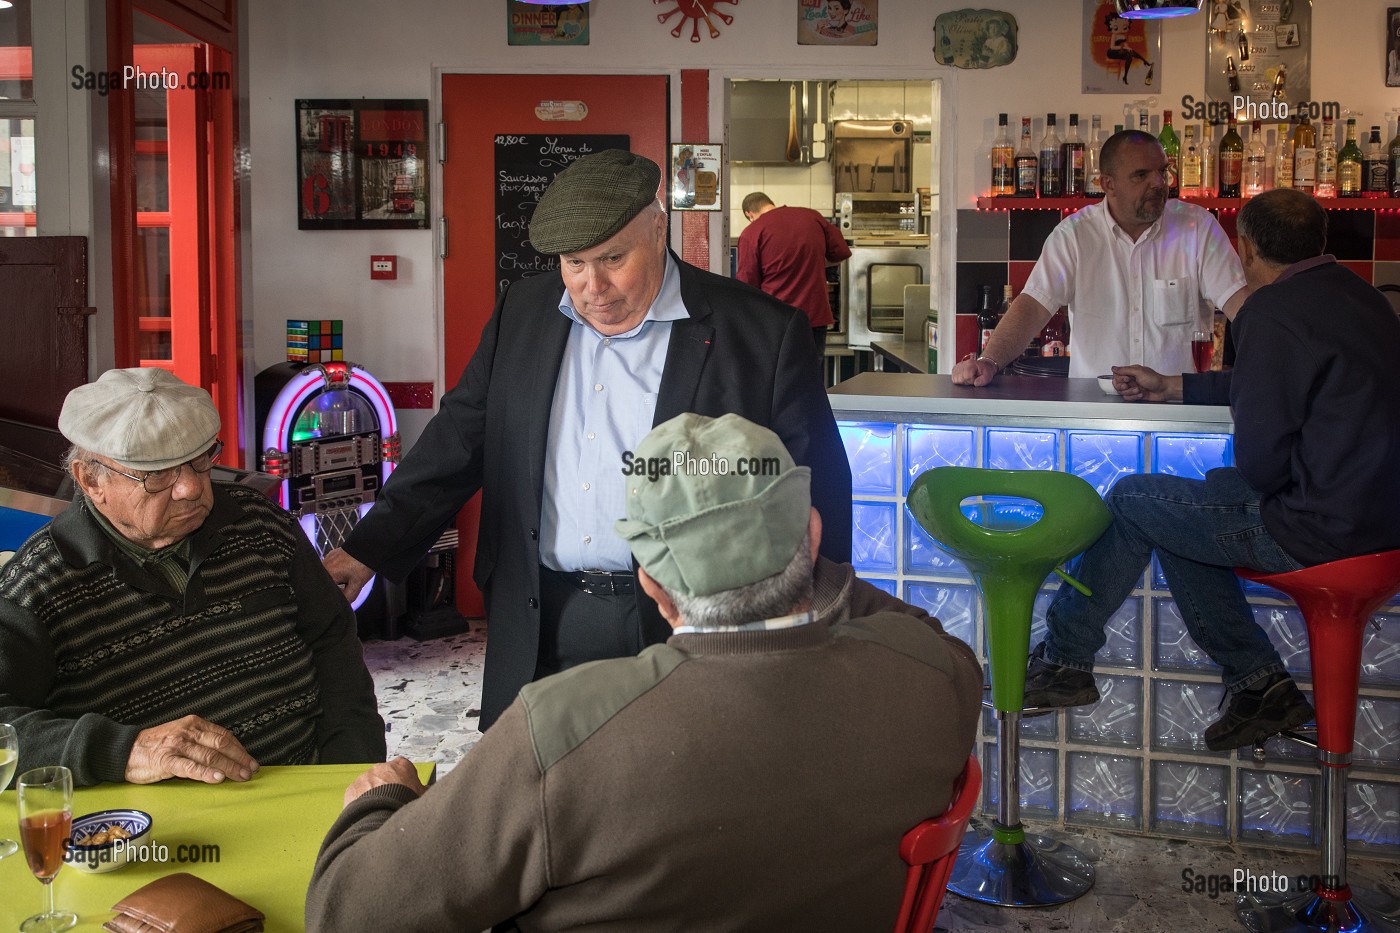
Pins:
x,y
838,22
534,24
1121,56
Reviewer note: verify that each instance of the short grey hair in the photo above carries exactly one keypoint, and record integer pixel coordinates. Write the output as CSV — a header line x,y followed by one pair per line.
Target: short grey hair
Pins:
x,y
769,598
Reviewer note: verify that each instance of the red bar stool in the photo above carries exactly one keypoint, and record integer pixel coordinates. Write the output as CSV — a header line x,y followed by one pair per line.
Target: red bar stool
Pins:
x,y
1337,599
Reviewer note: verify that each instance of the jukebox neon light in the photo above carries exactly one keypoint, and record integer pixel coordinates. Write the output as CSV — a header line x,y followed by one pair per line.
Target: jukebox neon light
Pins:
x,y
331,435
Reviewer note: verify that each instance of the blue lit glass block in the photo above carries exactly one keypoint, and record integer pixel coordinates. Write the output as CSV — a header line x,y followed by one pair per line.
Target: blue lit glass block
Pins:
x,y
1116,719
951,605
1373,816
874,538
1377,736
1039,728
1022,449
1040,781
1181,711
922,556
1190,455
1285,627
889,586
1276,809
1100,457
1104,790
1173,649
928,446
870,450
1189,799
1380,651
1159,579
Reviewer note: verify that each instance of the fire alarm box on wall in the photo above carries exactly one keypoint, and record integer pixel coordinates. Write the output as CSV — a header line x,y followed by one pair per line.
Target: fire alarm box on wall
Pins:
x,y
383,267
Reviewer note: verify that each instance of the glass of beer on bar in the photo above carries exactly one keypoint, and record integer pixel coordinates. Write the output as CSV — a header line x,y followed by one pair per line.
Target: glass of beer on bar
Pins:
x,y
45,820
1202,348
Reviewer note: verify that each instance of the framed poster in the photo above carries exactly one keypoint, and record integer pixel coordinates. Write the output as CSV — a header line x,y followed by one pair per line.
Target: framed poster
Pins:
x,y
974,38
362,164
1392,47
1259,51
533,24
525,165
838,22
1120,56
695,176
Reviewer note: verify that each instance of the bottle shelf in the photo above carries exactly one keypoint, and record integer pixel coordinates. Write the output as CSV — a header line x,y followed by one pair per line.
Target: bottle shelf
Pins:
x,y
1069,205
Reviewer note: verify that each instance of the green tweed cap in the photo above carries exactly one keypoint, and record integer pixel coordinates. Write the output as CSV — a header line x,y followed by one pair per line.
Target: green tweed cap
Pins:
x,y
592,200
713,504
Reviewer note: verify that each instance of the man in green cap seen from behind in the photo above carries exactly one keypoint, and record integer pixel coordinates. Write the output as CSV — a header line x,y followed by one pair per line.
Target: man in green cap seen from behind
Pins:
x,y
754,772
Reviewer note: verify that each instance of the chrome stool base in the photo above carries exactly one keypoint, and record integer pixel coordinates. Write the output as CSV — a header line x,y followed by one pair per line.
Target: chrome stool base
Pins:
x,y
1038,872
1364,912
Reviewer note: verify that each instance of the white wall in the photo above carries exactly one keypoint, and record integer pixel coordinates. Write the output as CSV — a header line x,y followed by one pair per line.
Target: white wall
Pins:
x,y
351,48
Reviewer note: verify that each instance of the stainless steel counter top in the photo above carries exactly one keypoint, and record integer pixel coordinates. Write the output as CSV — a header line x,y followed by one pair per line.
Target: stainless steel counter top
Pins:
x,y
1022,399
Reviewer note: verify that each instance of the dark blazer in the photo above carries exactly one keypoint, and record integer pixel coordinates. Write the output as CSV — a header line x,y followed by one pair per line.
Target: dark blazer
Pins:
x,y
741,351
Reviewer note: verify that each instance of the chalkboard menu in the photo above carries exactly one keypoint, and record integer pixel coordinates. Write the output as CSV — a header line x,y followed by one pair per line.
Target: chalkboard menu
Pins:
x,y
525,165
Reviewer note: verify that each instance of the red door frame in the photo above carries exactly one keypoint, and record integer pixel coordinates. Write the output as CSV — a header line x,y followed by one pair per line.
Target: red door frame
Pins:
x,y
215,345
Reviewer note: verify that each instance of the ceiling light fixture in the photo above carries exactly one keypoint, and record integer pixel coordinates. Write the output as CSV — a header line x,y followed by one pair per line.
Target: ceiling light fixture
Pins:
x,y
1156,9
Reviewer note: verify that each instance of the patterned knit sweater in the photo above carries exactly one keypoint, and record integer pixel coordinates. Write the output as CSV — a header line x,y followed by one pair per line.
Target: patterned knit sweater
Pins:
x,y
95,647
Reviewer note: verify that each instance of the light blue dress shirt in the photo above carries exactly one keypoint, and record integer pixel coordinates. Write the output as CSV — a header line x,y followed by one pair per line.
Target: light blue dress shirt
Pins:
x,y
604,403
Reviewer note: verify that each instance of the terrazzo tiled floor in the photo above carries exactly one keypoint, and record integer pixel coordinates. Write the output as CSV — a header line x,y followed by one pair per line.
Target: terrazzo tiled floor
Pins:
x,y
430,694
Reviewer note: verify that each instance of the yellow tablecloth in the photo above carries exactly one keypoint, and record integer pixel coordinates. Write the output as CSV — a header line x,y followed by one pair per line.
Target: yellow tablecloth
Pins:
x,y
267,831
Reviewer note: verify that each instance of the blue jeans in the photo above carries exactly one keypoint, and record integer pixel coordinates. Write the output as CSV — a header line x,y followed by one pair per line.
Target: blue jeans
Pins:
x,y
1200,529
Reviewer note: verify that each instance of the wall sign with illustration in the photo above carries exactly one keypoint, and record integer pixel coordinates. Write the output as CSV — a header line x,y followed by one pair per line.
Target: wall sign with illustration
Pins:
x,y
838,22
974,38
1259,51
532,24
525,165
695,176
1392,47
362,164
1121,56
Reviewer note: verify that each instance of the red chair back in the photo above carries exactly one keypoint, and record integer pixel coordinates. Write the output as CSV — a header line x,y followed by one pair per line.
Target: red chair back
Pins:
x,y
930,850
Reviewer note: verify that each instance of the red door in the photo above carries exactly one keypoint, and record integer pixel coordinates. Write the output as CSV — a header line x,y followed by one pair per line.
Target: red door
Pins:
x,y
476,108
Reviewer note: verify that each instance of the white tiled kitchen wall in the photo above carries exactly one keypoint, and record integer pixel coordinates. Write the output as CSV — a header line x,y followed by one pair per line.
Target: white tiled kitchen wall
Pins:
x,y
811,185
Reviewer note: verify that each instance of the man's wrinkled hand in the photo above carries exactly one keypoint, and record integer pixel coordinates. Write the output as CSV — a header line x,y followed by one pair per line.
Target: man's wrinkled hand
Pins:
x,y
396,771
348,573
1143,384
191,748
970,371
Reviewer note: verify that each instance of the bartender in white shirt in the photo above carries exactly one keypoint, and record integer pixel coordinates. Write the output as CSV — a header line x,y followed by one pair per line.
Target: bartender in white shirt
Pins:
x,y
1135,271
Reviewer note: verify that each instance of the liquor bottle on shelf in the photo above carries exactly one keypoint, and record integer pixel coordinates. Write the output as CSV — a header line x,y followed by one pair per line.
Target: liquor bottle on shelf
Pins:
x,y
1231,160
1375,168
1093,184
986,319
1270,162
1305,156
1207,161
1003,171
1393,156
1349,168
1327,160
1172,148
1072,161
1253,179
1191,165
1050,163
1283,161
1026,164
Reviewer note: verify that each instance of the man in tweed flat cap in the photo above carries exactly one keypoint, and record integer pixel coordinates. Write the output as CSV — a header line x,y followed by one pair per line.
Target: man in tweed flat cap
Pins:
x,y
573,368
677,789
165,625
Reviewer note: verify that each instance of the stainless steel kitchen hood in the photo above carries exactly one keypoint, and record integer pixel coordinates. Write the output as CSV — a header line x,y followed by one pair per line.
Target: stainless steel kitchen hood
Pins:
x,y
775,122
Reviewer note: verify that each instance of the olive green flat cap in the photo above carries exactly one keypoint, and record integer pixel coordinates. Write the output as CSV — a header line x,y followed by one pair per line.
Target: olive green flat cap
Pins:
x,y
593,199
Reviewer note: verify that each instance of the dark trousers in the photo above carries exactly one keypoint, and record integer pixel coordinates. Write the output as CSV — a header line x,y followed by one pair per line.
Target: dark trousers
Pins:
x,y
576,627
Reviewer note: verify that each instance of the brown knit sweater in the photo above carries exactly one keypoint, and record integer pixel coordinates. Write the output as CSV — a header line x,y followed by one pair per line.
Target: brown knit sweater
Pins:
x,y
723,781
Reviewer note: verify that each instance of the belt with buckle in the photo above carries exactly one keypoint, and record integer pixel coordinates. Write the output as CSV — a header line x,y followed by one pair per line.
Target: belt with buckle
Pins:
x,y
601,582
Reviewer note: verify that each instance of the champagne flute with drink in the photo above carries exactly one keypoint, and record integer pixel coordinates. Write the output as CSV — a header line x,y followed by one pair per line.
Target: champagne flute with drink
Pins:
x,y
45,821
9,758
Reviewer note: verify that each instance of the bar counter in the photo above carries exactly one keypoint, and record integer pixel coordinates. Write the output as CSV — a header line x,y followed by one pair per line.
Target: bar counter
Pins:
x,y
1136,761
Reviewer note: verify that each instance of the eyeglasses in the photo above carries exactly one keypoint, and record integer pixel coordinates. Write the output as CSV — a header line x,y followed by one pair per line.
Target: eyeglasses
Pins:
x,y
157,481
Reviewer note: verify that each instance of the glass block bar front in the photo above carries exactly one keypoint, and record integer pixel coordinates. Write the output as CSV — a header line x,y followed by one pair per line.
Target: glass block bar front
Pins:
x,y
1136,761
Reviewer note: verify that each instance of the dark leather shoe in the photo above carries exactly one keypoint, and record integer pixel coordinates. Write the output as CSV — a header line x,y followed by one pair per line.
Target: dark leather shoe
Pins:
x,y
1051,686
1267,708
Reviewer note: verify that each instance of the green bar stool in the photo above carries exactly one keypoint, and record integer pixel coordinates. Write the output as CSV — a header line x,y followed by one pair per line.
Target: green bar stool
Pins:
x,y
1009,866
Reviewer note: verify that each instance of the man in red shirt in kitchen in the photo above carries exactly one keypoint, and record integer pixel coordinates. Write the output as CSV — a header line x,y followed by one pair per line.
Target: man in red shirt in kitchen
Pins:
x,y
785,251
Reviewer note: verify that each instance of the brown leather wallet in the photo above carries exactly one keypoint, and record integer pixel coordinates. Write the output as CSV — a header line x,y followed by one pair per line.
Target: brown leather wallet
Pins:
x,y
182,903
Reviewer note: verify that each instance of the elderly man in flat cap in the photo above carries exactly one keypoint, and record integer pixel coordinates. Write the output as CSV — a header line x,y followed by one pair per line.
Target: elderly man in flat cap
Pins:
x,y
574,367
755,772
169,626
